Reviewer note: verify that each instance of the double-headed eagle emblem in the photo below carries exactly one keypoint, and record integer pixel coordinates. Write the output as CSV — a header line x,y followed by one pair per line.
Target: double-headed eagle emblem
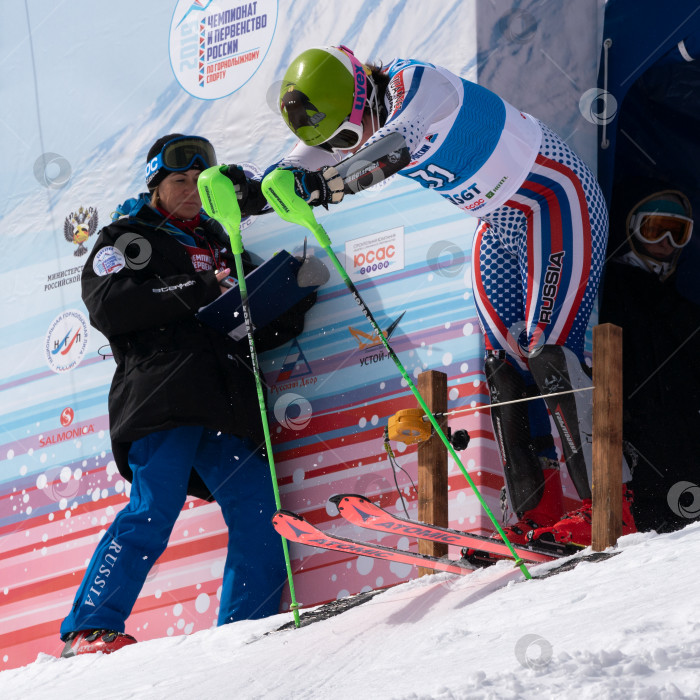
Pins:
x,y
79,226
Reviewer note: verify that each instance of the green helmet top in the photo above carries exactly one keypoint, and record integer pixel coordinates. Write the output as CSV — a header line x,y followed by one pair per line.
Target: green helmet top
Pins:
x,y
318,93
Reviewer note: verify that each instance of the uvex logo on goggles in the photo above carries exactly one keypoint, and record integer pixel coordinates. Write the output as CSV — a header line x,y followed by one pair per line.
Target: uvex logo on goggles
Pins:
x,y
360,87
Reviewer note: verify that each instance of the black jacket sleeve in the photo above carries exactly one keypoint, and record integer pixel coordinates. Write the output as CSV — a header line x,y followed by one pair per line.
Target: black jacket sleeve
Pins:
x,y
138,296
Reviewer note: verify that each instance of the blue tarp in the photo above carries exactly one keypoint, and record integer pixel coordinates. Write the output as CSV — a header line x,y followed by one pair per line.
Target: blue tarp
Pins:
x,y
653,74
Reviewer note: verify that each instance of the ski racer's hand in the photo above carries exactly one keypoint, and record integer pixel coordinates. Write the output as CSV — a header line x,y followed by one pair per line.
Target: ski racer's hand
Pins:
x,y
322,187
250,197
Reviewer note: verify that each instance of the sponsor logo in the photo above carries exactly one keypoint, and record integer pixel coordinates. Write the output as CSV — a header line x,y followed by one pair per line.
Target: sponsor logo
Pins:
x,y
566,433
360,90
153,166
415,157
552,278
174,287
374,259
372,344
475,205
397,93
295,371
67,415
376,254
465,196
75,433
497,187
108,260
425,148
66,341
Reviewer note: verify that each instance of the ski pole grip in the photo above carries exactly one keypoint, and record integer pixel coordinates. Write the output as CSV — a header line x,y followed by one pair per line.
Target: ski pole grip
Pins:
x,y
219,201
278,188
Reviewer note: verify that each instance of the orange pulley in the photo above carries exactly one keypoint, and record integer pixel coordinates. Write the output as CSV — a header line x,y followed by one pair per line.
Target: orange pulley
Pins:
x,y
408,426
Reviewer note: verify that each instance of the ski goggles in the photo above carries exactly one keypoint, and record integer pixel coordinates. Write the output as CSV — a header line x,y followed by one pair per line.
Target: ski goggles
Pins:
x,y
349,134
181,154
653,227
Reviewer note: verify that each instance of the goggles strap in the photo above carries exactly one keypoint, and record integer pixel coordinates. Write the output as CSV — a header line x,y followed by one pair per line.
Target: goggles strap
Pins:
x,y
360,95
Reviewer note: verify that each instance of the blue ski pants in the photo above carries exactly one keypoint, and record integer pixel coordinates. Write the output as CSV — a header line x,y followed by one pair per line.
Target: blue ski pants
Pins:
x,y
239,479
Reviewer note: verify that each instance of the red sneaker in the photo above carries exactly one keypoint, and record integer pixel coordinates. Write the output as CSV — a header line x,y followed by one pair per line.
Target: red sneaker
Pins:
x,y
92,641
575,527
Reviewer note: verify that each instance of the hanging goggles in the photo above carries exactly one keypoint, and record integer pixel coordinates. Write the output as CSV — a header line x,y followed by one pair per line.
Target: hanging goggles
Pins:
x,y
652,227
181,154
349,134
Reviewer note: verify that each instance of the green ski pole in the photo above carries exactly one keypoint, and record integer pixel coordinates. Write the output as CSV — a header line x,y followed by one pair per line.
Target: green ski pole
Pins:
x,y
219,201
278,188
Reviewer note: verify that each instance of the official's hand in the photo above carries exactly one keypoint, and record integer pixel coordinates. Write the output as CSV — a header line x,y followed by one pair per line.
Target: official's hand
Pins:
x,y
221,276
322,187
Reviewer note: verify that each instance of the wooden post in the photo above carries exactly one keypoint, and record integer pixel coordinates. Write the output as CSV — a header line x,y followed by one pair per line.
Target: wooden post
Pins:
x,y
432,465
607,436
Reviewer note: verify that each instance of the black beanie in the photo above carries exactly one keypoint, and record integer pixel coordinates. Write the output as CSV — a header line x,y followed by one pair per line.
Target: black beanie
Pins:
x,y
153,151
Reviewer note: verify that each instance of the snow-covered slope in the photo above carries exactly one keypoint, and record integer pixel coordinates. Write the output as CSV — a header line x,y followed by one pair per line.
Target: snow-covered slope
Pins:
x,y
626,627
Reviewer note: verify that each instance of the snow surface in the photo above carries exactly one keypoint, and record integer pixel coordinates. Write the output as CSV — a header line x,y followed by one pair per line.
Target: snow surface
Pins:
x,y
626,627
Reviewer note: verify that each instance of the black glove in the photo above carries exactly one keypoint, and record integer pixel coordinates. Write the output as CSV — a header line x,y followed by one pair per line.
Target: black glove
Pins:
x,y
250,197
322,187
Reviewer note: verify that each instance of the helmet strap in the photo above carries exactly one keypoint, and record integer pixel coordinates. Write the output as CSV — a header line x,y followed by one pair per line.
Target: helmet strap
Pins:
x,y
375,102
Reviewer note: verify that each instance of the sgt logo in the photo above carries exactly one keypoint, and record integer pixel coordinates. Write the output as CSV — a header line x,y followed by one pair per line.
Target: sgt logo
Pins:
x,y
552,278
103,573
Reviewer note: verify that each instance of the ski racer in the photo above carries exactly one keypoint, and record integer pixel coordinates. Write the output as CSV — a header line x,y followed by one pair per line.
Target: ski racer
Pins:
x,y
183,407
537,254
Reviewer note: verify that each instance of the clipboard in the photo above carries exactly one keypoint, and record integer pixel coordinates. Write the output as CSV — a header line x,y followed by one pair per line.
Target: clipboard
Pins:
x,y
272,289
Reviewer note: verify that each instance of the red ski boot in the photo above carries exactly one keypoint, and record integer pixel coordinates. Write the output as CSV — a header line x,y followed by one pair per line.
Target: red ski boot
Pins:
x,y
544,514
92,641
575,527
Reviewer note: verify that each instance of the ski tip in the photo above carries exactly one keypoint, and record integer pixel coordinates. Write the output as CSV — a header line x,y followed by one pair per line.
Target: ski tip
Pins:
x,y
286,514
338,498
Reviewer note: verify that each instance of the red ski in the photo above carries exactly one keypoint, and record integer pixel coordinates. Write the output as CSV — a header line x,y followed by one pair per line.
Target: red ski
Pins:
x,y
294,528
361,511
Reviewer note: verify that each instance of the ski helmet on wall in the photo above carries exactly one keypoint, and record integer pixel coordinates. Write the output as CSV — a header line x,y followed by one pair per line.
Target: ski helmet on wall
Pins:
x,y
323,96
